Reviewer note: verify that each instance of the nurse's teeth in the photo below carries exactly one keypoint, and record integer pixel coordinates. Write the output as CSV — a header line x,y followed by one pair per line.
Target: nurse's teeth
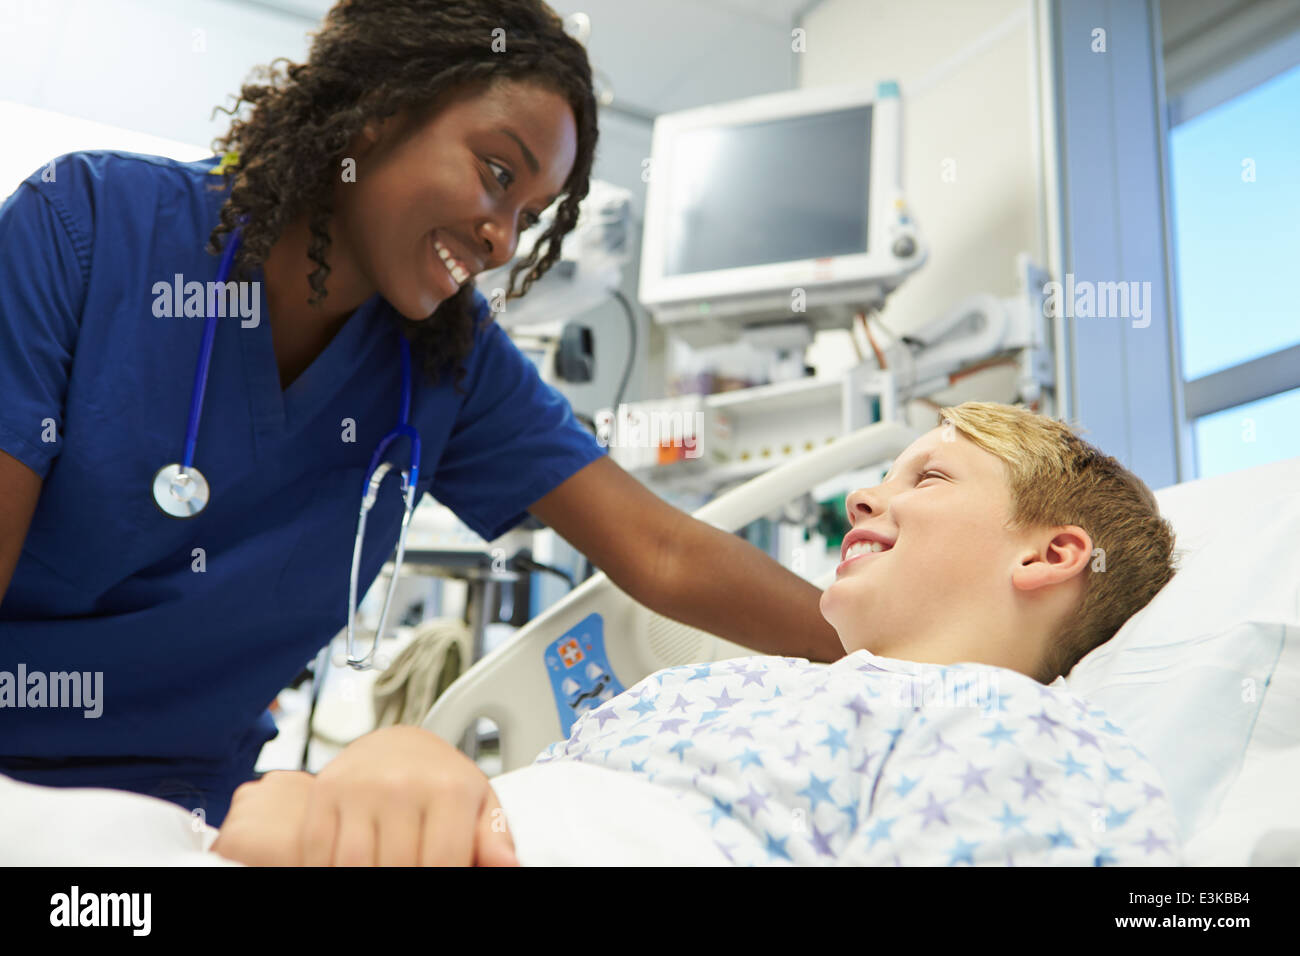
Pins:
x,y
458,271
864,547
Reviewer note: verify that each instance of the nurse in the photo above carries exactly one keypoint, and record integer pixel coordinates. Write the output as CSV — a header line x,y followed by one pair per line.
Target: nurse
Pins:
x,y
373,182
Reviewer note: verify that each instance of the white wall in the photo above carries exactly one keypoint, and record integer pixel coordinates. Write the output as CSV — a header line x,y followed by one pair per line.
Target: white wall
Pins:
x,y
154,66
964,72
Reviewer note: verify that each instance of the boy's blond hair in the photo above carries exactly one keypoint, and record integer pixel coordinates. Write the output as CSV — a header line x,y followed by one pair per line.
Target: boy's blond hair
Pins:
x,y
1057,478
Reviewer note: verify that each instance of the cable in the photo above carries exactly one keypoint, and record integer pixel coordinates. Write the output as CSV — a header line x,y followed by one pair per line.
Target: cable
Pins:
x,y
880,356
993,362
631,353
875,317
524,561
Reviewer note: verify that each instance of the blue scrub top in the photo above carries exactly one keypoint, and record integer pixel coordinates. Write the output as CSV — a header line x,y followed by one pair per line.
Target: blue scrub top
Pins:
x,y
94,397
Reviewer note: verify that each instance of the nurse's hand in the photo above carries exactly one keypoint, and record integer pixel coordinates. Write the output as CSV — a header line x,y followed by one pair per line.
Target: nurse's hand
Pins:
x,y
402,796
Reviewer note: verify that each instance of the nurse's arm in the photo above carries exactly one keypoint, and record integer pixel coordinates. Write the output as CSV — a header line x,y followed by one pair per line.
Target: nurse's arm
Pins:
x,y
19,489
685,569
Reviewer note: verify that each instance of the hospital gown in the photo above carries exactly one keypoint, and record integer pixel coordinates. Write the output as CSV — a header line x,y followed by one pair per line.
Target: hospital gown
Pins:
x,y
876,761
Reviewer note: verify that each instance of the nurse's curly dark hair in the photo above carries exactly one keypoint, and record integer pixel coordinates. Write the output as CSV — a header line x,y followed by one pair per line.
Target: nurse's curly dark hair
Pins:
x,y
370,60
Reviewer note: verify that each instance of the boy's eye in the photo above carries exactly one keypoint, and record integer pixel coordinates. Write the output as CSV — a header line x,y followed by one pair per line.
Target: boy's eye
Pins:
x,y
925,474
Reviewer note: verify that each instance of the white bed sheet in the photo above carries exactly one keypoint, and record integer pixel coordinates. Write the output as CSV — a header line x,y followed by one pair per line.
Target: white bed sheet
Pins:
x,y
560,814
91,826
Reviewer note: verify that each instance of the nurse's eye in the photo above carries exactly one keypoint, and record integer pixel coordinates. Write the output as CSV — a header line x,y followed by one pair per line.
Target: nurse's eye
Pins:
x,y
530,219
510,177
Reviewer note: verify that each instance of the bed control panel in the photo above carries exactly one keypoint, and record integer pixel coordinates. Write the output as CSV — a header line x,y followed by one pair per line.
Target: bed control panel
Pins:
x,y
581,678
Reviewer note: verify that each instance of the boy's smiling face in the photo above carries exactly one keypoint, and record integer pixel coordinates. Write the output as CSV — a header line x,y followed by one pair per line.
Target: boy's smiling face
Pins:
x,y
956,585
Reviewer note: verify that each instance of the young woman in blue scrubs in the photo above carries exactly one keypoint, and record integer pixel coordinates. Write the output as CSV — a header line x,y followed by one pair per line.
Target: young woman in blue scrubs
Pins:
x,y
414,128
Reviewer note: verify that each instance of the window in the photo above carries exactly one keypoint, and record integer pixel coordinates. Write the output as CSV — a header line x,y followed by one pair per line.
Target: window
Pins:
x,y
1235,184
1247,435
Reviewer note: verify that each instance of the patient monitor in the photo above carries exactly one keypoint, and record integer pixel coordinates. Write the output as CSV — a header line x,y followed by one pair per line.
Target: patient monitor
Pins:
x,y
784,209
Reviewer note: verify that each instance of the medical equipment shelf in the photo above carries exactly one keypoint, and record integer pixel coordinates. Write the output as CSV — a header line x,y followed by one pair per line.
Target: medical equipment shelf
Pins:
x,y
747,431
748,428
778,395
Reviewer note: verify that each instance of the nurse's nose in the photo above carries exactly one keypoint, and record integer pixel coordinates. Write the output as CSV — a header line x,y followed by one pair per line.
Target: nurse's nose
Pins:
x,y
499,241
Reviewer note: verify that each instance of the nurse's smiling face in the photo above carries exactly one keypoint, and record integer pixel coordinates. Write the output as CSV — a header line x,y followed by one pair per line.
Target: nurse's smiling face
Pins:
x,y
469,179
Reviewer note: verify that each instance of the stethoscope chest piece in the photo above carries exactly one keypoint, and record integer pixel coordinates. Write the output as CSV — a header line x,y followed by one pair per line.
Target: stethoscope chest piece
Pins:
x,y
180,492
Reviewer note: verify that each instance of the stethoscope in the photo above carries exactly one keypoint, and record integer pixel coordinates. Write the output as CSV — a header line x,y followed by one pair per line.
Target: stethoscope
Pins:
x,y
181,491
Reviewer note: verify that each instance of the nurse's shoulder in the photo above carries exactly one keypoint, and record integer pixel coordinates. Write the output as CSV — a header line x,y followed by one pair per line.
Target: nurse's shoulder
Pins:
x,y
99,193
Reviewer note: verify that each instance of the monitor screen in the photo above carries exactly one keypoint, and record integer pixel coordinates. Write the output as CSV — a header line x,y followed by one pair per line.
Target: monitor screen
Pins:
x,y
769,192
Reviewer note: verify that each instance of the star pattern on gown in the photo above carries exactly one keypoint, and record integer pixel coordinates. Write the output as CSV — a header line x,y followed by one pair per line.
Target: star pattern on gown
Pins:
x,y
998,735
974,777
782,761
932,812
1011,820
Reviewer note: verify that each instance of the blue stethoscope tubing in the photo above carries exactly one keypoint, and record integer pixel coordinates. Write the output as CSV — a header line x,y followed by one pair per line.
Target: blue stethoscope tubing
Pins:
x,y
375,475
181,491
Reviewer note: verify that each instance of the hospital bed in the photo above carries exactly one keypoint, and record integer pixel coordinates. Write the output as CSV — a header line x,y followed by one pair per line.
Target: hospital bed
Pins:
x,y
1206,679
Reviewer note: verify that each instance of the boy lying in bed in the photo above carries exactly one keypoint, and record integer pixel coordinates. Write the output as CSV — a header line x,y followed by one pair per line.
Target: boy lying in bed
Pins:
x,y
997,552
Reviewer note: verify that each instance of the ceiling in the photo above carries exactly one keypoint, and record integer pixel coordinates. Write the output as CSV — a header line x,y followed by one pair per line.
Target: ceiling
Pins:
x,y
667,55
674,54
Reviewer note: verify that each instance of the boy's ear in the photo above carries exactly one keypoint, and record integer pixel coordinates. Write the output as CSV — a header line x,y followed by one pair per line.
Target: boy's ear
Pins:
x,y
1069,547
1049,561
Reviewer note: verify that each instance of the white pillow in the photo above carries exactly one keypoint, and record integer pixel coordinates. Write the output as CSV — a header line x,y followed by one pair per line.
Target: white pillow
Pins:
x,y
1187,676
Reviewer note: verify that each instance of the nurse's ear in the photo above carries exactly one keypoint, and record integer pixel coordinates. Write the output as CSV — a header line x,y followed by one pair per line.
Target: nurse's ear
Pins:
x,y
370,134
364,145
391,129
